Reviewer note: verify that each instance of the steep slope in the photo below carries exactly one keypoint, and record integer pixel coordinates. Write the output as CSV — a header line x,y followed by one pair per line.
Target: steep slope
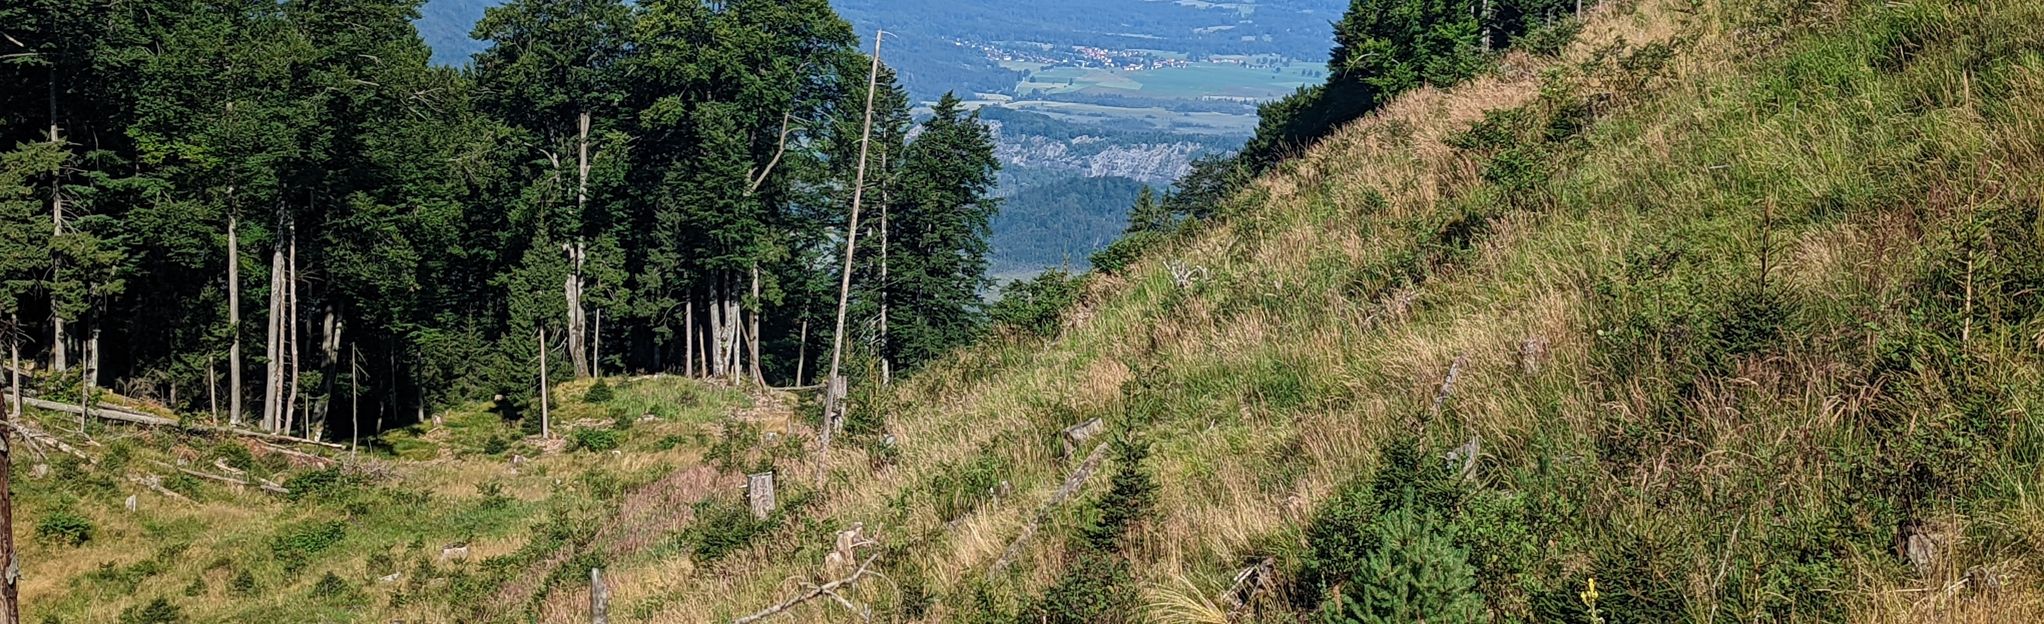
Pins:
x,y
1737,305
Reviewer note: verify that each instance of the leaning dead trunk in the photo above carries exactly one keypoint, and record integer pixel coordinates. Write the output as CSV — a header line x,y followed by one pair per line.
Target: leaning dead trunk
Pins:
x,y
844,297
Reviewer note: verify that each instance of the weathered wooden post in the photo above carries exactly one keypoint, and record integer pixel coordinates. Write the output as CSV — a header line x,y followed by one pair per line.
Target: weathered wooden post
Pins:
x,y
759,492
599,598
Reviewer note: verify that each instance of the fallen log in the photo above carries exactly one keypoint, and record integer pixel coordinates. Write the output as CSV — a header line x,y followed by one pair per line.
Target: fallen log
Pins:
x,y
39,437
1065,491
262,484
102,411
122,415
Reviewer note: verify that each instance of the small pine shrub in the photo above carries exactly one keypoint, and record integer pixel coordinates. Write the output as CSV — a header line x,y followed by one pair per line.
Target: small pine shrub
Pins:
x,y
1096,589
242,584
721,528
493,498
599,392
296,545
65,527
158,611
1549,38
1128,502
593,440
1416,574
234,454
196,588
496,445
956,489
323,485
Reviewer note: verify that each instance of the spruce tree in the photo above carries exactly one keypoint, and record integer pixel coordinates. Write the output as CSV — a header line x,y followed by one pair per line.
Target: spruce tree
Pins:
x,y
1416,574
939,229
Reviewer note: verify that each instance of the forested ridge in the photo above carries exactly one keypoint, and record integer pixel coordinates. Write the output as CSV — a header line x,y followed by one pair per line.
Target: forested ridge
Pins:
x,y
244,209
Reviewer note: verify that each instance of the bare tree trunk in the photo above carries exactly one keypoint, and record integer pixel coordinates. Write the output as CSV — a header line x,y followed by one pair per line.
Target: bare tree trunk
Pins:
x,y
233,320
273,372
546,427
354,408
734,324
688,339
291,334
837,350
752,328
330,329
10,608
801,352
596,346
91,354
213,391
716,359
577,328
886,367
58,361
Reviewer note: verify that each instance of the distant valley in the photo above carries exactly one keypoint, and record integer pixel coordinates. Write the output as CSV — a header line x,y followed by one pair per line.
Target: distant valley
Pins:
x,y
1131,91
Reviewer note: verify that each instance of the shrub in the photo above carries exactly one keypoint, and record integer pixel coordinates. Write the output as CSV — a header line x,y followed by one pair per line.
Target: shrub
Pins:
x,y
721,528
1124,251
324,485
243,584
1033,306
158,611
64,526
296,545
593,440
1096,588
956,489
1548,39
496,445
493,497
1416,574
599,392
1129,501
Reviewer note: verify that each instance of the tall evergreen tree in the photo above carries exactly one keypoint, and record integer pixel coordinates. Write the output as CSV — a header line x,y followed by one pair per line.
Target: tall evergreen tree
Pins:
x,y
939,235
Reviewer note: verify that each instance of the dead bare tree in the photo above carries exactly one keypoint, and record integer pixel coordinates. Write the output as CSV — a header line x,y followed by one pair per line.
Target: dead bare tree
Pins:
x,y
829,589
844,297
546,431
10,609
233,316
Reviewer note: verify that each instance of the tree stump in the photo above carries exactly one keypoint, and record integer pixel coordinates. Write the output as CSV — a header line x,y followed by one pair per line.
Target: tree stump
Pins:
x,y
599,598
1075,436
759,493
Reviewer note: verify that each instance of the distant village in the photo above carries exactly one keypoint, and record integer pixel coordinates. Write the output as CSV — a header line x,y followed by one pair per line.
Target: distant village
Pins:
x,y
1104,58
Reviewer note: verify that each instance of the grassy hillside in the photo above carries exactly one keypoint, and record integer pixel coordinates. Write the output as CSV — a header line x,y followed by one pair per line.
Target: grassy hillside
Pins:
x,y
1736,297
1735,309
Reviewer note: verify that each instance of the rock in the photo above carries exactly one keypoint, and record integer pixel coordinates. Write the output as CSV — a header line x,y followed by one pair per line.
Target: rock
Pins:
x,y
131,503
1918,548
39,471
390,578
1002,489
454,552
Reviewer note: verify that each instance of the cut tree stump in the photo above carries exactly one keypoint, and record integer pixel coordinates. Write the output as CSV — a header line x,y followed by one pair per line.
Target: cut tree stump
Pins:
x,y
1075,436
759,493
